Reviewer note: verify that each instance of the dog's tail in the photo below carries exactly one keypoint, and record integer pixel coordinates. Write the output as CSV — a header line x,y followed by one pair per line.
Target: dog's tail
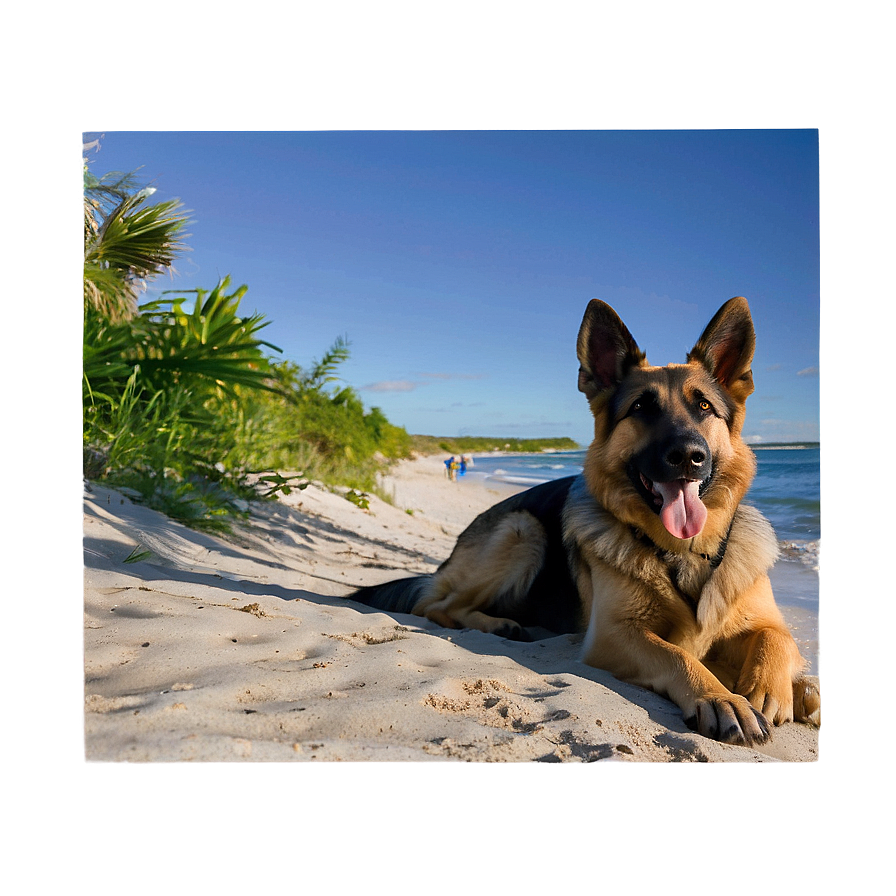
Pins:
x,y
398,596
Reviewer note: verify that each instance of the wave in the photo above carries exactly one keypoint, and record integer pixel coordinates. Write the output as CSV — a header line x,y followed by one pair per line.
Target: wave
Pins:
x,y
805,552
516,478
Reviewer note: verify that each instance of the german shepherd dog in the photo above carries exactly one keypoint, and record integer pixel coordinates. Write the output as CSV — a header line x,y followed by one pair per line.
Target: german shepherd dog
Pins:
x,y
649,551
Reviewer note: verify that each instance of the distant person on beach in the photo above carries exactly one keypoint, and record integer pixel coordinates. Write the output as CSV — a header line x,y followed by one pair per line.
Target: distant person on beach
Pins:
x,y
462,466
451,464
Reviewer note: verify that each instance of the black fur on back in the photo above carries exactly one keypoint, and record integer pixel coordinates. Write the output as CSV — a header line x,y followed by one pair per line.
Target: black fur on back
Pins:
x,y
552,601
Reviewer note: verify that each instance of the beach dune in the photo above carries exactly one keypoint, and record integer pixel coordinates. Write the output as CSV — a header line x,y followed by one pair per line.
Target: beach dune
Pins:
x,y
208,648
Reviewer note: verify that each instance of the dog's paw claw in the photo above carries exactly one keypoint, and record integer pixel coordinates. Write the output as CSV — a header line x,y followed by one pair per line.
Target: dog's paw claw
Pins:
x,y
731,720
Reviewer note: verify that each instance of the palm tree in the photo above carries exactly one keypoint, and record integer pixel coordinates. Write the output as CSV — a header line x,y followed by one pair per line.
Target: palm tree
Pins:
x,y
125,242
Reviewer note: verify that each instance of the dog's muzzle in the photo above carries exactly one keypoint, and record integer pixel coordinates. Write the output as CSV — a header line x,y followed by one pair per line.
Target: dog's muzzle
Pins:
x,y
671,475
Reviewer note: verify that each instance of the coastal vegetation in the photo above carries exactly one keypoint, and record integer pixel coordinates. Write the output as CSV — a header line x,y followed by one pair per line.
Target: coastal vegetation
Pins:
x,y
187,408
185,404
482,444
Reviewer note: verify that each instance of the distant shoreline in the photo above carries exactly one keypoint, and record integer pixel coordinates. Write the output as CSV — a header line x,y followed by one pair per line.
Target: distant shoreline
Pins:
x,y
464,446
784,446
429,445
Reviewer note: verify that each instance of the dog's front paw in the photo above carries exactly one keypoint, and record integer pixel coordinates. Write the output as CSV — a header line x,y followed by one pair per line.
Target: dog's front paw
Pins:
x,y
775,703
769,688
730,719
807,701
511,630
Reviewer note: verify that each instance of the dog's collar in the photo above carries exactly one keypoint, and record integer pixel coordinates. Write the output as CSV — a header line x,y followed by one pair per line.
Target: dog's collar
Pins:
x,y
714,560
720,553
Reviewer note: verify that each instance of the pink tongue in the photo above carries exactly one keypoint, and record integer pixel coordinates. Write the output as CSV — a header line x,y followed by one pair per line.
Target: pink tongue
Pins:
x,y
683,513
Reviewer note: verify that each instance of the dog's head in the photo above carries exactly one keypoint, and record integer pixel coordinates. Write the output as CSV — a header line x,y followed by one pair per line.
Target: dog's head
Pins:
x,y
667,455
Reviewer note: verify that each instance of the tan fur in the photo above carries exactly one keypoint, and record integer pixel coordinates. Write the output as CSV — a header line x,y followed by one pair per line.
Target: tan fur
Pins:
x,y
695,618
643,632
639,628
612,448
505,561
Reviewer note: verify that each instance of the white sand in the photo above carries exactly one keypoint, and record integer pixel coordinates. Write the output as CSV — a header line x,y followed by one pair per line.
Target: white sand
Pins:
x,y
244,648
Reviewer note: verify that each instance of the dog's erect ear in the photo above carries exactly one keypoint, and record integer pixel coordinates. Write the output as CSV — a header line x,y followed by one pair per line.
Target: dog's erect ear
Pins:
x,y
726,348
605,348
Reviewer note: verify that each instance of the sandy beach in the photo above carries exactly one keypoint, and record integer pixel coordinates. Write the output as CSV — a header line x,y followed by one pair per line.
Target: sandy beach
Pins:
x,y
207,648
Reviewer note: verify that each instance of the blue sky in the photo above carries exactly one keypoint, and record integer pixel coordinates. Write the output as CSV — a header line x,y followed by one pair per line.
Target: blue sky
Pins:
x,y
459,263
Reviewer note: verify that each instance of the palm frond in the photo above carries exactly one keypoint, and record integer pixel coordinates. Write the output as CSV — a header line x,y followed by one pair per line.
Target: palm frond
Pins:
x,y
208,350
323,371
125,242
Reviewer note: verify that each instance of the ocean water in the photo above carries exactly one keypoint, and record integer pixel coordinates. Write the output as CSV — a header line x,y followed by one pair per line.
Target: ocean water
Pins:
x,y
787,487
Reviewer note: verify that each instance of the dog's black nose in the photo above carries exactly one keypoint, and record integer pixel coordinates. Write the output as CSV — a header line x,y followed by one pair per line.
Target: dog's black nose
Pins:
x,y
677,454
686,456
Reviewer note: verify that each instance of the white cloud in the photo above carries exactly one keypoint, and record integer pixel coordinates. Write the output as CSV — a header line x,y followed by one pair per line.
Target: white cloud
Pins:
x,y
422,378
390,386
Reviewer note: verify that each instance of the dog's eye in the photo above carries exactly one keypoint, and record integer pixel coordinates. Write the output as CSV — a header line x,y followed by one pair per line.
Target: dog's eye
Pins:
x,y
705,406
646,404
